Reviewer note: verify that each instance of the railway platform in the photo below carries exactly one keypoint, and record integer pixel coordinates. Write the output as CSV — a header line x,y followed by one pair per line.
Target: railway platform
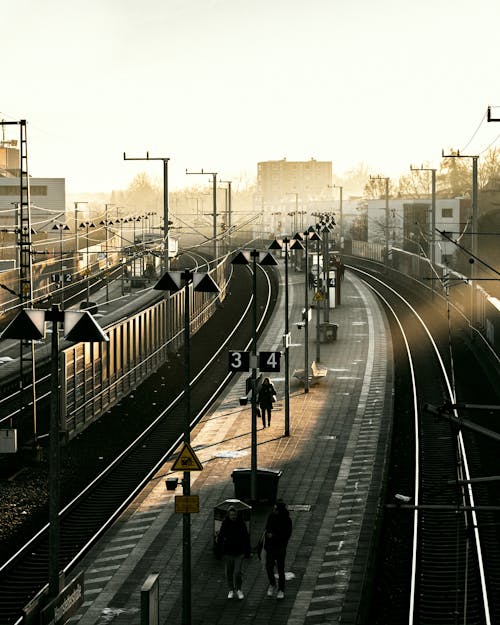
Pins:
x,y
332,480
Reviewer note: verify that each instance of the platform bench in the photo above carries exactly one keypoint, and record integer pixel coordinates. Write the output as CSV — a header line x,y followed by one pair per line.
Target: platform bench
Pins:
x,y
316,372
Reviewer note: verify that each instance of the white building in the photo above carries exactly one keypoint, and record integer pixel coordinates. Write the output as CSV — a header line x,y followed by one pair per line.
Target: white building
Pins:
x,y
408,224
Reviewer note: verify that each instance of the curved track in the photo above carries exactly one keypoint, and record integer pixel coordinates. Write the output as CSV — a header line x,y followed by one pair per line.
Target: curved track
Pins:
x,y
433,530
84,519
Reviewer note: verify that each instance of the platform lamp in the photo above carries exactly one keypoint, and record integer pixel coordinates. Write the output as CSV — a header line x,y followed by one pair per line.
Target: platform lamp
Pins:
x,y
326,228
309,235
61,227
79,326
86,225
286,244
174,281
247,258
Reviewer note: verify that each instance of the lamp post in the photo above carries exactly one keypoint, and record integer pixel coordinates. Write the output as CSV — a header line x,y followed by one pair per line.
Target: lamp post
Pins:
x,y
309,235
228,219
79,326
77,249
86,225
287,244
296,209
106,223
61,227
318,298
245,258
325,231
201,282
121,221
341,215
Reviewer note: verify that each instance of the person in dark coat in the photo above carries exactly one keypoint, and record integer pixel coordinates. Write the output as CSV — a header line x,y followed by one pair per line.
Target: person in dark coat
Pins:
x,y
277,534
267,395
234,543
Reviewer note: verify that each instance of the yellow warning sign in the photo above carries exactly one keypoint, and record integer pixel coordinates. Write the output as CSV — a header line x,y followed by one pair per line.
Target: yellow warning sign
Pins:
x,y
187,460
187,504
318,296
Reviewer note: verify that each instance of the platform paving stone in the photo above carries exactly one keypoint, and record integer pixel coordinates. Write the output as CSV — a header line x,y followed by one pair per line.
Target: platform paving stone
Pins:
x,y
332,463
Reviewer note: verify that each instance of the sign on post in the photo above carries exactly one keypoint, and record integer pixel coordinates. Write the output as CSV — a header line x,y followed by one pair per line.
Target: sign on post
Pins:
x,y
239,361
187,504
269,361
187,460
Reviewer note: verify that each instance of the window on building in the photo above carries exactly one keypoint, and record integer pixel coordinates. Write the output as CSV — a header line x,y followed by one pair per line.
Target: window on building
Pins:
x,y
446,213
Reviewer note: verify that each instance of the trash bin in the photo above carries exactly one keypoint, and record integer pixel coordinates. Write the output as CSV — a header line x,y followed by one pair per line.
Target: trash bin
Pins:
x,y
220,512
328,332
267,484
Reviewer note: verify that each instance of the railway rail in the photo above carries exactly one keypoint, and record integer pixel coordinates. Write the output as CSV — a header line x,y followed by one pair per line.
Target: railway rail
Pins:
x,y
441,525
23,576
16,403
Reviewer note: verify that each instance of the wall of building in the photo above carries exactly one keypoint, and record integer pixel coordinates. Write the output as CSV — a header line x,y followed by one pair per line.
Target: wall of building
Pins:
x,y
410,224
47,198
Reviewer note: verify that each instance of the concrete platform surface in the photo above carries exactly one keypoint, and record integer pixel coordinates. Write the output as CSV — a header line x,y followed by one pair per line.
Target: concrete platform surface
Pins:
x,y
332,474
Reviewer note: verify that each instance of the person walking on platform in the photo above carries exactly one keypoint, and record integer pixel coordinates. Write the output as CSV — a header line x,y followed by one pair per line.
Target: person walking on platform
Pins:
x,y
234,543
267,395
277,534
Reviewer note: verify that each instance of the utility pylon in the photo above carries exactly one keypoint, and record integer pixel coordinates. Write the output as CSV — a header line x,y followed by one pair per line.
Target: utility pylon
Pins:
x,y
228,216
386,214
214,195
166,223
473,225
433,215
25,263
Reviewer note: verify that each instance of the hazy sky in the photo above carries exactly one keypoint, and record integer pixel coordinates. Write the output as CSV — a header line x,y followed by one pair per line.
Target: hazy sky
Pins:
x,y
223,84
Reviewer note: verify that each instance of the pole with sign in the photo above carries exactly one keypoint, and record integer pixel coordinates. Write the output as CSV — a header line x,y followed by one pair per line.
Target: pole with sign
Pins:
x,y
243,258
175,281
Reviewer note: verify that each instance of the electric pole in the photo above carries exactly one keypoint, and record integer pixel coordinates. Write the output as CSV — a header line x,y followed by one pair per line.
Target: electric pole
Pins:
x,y
228,218
25,256
214,196
473,227
433,216
386,214
166,223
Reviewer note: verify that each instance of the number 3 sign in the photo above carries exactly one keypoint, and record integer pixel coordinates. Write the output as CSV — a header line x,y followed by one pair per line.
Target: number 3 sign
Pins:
x,y
239,361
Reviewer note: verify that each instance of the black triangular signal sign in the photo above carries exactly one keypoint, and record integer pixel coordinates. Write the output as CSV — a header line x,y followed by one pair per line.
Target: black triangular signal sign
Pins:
x,y
29,325
86,330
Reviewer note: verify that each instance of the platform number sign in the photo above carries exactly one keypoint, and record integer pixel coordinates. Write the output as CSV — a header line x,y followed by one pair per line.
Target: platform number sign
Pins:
x,y
269,361
239,361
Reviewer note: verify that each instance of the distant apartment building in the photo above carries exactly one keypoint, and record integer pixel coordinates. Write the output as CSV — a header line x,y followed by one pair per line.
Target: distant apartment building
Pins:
x,y
288,192
278,179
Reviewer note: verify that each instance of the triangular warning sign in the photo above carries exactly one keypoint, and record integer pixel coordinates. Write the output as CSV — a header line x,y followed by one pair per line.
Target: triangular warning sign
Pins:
x,y
187,460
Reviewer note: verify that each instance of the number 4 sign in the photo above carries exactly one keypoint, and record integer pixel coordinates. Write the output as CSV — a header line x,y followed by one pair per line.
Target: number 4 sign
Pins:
x,y
269,361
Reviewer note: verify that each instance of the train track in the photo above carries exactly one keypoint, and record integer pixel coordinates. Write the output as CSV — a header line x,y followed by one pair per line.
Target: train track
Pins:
x,y
89,514
441,550
10,394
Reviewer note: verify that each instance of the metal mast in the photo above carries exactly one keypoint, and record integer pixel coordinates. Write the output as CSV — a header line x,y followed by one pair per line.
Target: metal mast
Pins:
x,y
25,263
